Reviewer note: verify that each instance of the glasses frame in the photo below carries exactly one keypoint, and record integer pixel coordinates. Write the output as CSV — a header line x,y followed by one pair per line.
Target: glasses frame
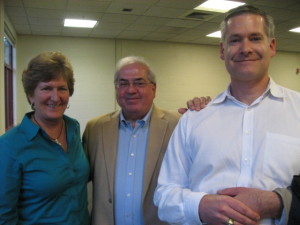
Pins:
x,y
125,84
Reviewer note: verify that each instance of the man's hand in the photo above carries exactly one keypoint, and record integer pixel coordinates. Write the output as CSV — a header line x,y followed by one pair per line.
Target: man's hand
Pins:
x,y
195,104
217,209
267,203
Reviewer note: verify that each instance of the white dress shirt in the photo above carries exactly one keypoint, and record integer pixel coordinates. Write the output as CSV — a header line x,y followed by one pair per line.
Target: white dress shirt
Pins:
x,y
230,144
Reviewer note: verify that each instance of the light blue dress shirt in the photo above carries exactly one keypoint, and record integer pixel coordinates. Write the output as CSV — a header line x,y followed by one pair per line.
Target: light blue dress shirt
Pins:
x,y
131,156
39,182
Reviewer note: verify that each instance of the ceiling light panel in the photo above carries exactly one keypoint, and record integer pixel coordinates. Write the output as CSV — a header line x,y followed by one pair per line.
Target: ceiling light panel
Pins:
x,y
216,34
80,23
297,30
221,6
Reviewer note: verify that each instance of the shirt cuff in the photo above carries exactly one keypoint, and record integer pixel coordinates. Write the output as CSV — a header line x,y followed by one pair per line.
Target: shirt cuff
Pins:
x,y
282,220
191,206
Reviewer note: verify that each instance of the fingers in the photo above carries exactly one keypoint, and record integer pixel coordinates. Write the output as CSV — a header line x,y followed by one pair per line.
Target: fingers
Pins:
x,y
198,103
229,191
241,213
217,209
182,110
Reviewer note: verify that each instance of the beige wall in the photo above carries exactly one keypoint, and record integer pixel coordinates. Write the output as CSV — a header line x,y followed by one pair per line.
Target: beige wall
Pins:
x,y
183,71
93,64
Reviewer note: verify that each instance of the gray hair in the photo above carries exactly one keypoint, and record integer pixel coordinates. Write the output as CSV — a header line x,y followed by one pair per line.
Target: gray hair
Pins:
x,y
249,9
134,59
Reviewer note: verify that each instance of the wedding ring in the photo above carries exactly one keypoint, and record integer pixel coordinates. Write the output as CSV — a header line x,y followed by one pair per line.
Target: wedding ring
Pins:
x,y
230,221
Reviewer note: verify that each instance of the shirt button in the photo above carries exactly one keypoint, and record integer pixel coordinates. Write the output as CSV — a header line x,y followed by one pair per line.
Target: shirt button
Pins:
x,y
128,194
134,136
129,173
132,154
246,161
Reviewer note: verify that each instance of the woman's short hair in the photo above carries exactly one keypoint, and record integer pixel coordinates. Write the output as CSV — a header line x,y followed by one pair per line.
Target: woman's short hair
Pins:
x,y
45,67
134,59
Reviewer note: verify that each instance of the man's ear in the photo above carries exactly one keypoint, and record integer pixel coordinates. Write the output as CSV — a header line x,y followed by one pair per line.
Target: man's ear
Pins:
x,y
273,47
222,51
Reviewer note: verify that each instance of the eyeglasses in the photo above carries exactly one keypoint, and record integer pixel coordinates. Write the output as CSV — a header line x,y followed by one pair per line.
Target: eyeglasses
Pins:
x,y
137,84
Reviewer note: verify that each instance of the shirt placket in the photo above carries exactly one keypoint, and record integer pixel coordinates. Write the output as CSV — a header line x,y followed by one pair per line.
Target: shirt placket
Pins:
x,y
130,176
247,148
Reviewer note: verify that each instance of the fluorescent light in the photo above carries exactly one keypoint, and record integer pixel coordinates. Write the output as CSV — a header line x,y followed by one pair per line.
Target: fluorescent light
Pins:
x,y
80,23
297,30
221,6
216,34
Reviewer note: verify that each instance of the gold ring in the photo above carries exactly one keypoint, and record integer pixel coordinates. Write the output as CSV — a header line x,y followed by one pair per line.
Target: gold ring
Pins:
x,y
230,221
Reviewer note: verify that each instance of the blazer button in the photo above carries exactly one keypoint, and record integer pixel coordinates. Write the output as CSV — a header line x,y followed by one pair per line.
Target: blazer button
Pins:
x,y
110,200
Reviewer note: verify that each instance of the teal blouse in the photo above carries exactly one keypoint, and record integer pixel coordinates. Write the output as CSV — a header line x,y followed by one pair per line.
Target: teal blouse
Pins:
x,y
39,182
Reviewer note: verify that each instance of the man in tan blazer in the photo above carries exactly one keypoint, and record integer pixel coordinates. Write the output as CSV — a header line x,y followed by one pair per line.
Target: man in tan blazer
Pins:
x,y
104,140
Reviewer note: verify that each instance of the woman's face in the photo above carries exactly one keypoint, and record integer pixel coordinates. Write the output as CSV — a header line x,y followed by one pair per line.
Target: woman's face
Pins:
x,y
50,99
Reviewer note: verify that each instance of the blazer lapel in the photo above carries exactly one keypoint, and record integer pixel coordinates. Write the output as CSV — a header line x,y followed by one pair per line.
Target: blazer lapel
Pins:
x,y
110,145
157,132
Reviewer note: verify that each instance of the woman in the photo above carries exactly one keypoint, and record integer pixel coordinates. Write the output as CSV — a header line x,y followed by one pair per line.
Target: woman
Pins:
x,y
43,169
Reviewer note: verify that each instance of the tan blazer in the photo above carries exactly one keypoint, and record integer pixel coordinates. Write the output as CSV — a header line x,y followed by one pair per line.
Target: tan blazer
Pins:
x,y
100,140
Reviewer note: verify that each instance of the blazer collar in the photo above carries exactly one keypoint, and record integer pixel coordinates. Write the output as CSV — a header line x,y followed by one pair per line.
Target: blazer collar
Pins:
x,y
110,146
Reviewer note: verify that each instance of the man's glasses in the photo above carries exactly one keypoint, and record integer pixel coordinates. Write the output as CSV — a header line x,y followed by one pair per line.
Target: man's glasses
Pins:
x,y
122,84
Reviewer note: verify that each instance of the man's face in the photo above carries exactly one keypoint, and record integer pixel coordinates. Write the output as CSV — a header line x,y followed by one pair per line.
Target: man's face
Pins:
x,y
246,48
135,100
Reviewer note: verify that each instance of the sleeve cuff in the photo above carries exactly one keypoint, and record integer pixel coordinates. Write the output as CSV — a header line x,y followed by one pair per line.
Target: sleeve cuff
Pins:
x,y
191,206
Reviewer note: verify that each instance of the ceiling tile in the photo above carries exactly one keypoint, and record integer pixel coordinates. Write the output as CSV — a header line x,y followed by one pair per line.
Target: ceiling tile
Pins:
x,y
155,20
111,26
45,13
88,5
171,30
152,20
137,9
15,3
45,4
118,18
132,34
186,4
183,23
165,12
45,22
140,27
15,11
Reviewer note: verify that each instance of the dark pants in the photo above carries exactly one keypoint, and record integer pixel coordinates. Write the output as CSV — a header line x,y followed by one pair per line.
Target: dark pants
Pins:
x,y
294,217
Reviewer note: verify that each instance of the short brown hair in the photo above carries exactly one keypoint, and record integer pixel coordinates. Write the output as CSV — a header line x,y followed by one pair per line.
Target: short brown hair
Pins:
x,y
249,9
45,67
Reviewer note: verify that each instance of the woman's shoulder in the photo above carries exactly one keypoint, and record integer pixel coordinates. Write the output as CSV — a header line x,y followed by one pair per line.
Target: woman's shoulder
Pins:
x,y
71,120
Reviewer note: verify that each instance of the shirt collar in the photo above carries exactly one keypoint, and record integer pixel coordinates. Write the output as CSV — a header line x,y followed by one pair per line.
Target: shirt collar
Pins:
x,y
31,130
144,122
272,89
28,127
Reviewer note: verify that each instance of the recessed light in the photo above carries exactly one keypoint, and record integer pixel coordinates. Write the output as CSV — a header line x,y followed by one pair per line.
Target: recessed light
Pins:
x,y
216,34
127,10
297,30
80,23
221,6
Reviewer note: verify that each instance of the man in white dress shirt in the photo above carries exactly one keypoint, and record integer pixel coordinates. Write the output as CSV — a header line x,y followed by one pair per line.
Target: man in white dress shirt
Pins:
x,y
223,163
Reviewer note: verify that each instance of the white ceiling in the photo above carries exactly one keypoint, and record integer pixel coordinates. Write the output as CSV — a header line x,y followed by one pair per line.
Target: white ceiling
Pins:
x,y
155,20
